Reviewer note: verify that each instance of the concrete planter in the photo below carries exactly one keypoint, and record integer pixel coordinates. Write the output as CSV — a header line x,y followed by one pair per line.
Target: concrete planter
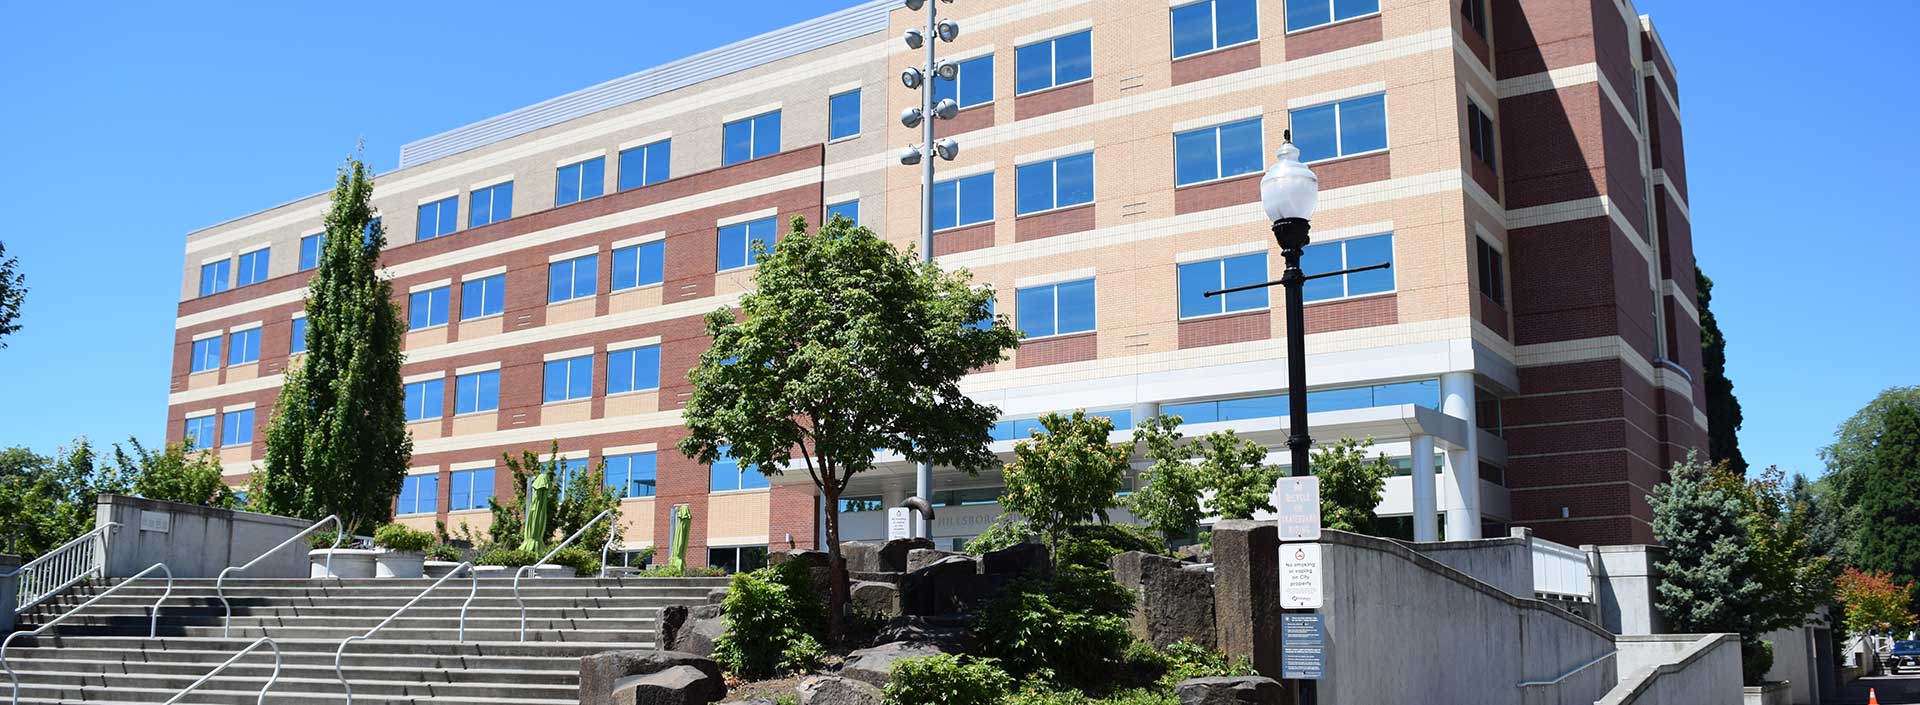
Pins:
x,y
438,569
347,563
492,572
545,570
1776,693
549,570
389,563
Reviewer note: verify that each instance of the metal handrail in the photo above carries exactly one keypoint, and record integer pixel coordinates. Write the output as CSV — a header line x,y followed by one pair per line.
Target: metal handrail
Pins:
x,y
1570,674
153,623
606,547
60,556
262,700
219,584
522,572
341,652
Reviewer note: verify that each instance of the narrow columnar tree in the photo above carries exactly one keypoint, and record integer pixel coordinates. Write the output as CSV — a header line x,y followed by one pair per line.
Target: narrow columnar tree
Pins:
x,y
13,291
338,442
1723,408
1888,508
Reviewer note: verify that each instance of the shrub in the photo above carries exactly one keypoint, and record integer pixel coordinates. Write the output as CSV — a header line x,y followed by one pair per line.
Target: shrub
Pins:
x,y
788,699
1185,659
766,612
665,571
443,552
1072,627
324,539
1000,535
945,679
582,560
1092,545
506,556
804,654
400,537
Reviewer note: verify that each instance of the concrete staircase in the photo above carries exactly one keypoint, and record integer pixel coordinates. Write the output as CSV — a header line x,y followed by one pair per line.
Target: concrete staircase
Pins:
x,y
103,655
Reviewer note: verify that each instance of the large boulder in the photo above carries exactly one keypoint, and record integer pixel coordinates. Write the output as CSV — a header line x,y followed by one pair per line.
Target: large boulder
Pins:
x,y
813,559
690,629
1018,560
875,665
649,678
1235,690
947,632
881,599
893,553
861,556
1173,601
950,585
1196,553
922,557
835,690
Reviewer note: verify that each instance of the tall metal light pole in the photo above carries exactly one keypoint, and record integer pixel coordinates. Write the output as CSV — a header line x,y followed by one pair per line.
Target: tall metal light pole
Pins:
x,y
921,78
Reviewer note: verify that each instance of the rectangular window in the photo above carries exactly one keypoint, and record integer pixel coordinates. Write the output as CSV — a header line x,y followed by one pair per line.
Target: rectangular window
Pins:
x,y
564,475
297,337
1217,152
253,267
639,265
436,219
632,475
1353,126
236,428
1212,24
1303,14
985,322
852,505
1493,277
849,210
843,115
633,369
1053,62
419,494
1198,278
1348,254
737,559
476,392
579,181
243,347
569,379
426,400
727,473
206,355
1481,137
490,205
200,432
1474,13
572,279
310,251
469,489
964,201
751,138
215,277
736,243
645,164
426,309
1056,309
486,296
972,85
1057,183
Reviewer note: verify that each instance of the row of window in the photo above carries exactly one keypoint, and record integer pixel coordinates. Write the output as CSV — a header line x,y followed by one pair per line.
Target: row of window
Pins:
x,y
236,429
629,475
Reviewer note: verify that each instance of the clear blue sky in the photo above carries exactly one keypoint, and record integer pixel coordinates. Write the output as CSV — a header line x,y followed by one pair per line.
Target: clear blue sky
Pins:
x,y
128,126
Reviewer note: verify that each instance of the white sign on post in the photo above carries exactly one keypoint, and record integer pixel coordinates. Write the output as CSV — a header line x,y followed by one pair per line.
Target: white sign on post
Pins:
x,y
899,523
1300,577
1298,502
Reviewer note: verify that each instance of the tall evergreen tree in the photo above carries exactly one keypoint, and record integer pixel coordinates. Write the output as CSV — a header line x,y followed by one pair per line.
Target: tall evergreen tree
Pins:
x,y
1888,511
338,443
1700,515
13,291
1723,408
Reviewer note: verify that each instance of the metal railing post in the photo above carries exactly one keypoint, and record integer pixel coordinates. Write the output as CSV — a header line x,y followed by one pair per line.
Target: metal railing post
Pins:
x,y
518,574
340,653
153,624
262,699
219,583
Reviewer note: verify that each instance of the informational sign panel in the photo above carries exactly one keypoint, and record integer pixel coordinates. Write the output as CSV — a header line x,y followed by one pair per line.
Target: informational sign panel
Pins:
x,y
1300,576
899,523
1298,501
1303,647
161,522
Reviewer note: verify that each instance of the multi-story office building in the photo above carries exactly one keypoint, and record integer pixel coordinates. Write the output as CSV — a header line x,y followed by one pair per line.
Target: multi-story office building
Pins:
x,y
1533,349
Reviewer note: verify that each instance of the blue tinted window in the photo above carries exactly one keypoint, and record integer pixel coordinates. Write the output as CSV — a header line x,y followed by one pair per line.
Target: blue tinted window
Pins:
x,y
736,243
569,379
200,432
1348,254
1217,152
1254,408
236,428
1197,412
1197,278
645,164
751,138
490,205
1354,126
632,475
215,277
963,201
1302,14
987,321
1056,309
419,494
639,265
1422,393
297,338
206,355
310,251
243,347
971,86
426,399
426,309
1054,62
477,391
579,181
469,489
253,267
849,210
436,219
1211,24
843,115
485,296
633,369
1063,182
572,279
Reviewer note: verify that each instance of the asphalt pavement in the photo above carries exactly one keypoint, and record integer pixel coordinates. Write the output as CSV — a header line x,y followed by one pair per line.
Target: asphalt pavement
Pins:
x,y
1893,690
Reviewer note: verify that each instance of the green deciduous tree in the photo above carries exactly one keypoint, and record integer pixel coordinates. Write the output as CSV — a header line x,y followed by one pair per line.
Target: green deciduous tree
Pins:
x,y
1887,510
176,473
1238,474
1723,408
846,345
338,442
1794,579
1169,501
13,294
1350,485
582,497
1848,457
1067,475
47,501
1875,603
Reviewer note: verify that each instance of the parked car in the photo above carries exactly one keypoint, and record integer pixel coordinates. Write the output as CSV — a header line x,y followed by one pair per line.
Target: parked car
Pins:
x,y
1905,654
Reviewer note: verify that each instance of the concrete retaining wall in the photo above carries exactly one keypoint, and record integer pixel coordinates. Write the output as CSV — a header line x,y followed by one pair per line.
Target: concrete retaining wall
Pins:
x,y
195,541
1505,563
1624,580
1678,669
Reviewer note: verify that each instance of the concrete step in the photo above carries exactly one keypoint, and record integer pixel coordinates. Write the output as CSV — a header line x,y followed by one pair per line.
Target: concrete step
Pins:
x,y
205,660
463,589
417,583
383,643
169,612
408,620
71,683
337,633
260,665
279,695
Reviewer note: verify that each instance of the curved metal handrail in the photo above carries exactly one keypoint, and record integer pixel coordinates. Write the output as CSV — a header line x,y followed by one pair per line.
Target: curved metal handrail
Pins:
x,y
1570,674
606,547
62,557
262,700
219,584
522,572
341,652
153,622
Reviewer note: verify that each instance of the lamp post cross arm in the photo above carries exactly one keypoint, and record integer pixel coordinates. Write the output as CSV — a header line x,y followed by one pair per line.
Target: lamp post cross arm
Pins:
x,y
1310,277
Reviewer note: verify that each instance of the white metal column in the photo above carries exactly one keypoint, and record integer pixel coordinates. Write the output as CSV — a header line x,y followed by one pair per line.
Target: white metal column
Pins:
x,y
1463,464
1426,505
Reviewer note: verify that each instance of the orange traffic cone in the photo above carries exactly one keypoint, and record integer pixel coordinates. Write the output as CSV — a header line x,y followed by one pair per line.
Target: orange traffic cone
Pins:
x,y
1872,697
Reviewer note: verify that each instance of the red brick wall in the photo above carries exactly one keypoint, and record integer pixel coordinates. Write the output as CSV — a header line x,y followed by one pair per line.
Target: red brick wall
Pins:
x,y
1334,37
1220,330
1053,223
1364,312
1216,63
1056,350
1217,194
1053,100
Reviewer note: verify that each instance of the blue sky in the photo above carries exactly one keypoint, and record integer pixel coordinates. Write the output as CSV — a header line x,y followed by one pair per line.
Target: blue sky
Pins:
x,y
128,127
